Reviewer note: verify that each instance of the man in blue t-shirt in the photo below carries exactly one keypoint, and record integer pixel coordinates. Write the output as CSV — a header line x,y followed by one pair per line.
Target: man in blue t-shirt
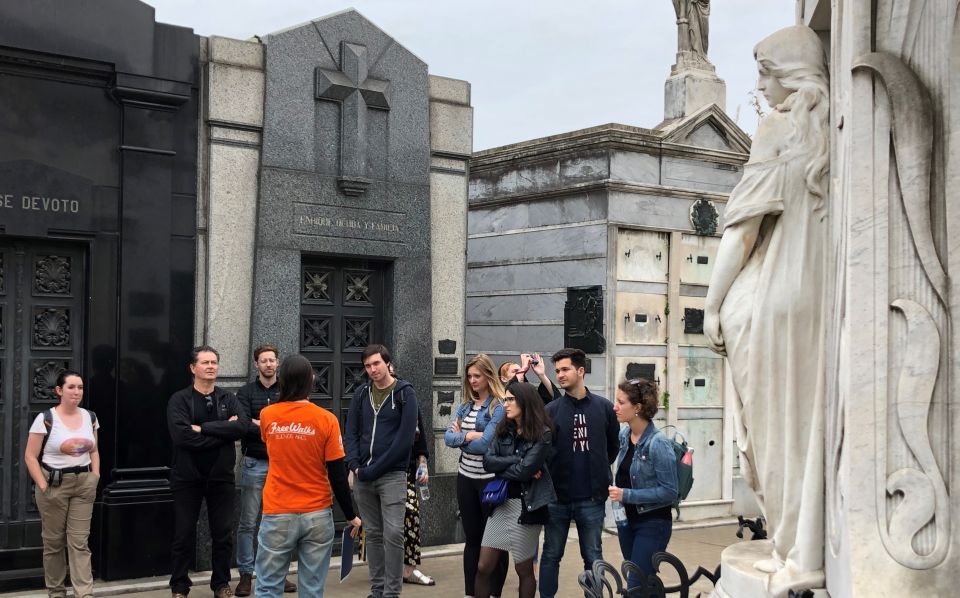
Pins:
x,y
586,443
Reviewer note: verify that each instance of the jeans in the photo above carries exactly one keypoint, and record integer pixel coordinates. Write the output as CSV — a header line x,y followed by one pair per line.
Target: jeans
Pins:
x,y
253,475
588,515
473,517
65,514
638,542
382,503
310,535
186,509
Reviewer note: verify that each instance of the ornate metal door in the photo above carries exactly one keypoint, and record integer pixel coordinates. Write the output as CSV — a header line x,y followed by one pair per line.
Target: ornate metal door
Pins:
x,y
41,333
341,312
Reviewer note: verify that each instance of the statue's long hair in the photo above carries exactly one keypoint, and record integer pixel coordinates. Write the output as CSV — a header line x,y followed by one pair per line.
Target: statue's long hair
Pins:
x,y
799,64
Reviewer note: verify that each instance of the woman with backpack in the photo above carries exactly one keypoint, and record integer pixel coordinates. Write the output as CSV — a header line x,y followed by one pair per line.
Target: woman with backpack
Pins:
x,y
518,454
63,461
645,478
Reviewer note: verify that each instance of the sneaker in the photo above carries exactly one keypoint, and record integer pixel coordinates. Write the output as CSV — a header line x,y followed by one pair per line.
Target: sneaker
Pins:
x,y
288,587
245,585
224,592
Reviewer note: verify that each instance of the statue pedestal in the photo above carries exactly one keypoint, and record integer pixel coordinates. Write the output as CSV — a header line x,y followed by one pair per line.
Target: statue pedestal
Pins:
x,y
689,89
738,577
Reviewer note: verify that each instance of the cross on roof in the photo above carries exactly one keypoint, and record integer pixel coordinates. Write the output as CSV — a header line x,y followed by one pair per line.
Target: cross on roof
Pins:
x,y
355,92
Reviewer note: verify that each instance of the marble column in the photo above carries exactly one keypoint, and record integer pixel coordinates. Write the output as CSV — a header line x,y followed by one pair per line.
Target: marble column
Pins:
x,y
227,208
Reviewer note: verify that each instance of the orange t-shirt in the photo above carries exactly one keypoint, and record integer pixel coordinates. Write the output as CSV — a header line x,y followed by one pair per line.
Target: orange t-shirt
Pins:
x,y
301,437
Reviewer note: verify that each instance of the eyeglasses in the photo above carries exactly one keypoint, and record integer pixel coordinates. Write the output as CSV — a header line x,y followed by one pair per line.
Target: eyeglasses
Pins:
x,y
209,400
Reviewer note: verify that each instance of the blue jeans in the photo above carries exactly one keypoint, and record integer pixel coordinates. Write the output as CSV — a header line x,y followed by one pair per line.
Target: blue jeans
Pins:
x,y
310,535
638,542
588,515
253,475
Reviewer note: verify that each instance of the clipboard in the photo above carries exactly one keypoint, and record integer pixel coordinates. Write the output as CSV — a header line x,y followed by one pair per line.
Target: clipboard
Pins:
x,y
346,553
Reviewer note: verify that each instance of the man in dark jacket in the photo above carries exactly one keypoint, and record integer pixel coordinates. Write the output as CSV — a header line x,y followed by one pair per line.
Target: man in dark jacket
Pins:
x,y
378,438
586,443
253,397
204,423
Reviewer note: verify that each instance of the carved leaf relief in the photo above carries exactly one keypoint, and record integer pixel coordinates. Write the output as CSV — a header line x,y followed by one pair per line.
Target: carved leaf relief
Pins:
x,y
52,275
51,327
923,490
45,378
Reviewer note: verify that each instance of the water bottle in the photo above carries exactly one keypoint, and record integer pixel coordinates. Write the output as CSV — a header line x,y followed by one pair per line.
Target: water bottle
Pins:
x,y
424,486
619,513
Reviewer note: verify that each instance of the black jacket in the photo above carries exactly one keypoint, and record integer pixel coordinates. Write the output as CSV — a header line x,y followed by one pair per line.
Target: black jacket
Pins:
x,y
517,460
208,455
601,425
253,397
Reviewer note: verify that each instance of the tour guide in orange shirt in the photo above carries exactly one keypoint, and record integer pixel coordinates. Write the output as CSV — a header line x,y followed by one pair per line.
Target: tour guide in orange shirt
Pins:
x,y
306,471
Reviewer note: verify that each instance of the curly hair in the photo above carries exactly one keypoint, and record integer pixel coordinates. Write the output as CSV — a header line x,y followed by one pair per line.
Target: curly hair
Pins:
x,y
644,394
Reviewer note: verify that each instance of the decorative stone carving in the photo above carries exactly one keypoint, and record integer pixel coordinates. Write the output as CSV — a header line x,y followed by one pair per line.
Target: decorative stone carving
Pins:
x,y
52,275
922,487
764,307
583,319
355,92
45,378
315,333
316,285
703,217
356,287
356,333
321,380
51,327
353,376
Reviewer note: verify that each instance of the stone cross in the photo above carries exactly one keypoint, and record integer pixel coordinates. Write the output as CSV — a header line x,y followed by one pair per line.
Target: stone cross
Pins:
x,y
355,92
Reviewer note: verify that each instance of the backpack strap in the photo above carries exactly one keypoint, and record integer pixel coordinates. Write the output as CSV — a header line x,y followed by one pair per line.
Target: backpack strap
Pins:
x,y
48,423
93,419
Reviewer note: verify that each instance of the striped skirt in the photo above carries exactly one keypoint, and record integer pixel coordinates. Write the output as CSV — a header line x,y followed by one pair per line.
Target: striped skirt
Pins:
x,y
503,532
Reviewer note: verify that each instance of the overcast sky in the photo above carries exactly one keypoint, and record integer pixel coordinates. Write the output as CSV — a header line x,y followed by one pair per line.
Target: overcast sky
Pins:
x,y
536,67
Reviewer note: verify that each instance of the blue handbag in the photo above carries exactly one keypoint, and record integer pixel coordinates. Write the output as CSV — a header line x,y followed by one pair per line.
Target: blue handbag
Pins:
x,y
495,492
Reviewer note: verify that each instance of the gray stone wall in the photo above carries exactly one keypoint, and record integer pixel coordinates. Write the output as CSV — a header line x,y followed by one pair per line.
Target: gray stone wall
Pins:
x,y
304,207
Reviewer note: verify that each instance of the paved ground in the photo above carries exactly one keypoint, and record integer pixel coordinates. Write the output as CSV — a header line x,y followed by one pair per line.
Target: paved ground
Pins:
x,y
695,547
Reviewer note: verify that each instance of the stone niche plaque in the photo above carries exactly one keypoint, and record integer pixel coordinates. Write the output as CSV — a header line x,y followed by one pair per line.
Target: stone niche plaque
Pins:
x,y
583,319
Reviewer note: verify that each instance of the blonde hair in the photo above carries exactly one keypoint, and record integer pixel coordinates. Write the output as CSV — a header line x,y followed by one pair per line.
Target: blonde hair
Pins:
x,y
488,371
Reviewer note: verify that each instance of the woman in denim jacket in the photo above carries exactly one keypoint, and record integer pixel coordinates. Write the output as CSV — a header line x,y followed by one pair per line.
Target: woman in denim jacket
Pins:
x,y
645,478
471,430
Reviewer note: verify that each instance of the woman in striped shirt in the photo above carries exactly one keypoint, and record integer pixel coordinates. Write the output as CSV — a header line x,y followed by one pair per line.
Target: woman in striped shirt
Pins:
x,y
471,430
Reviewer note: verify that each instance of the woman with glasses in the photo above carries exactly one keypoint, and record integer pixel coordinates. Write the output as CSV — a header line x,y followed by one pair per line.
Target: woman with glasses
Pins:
x,y
471,431
522,443
645,478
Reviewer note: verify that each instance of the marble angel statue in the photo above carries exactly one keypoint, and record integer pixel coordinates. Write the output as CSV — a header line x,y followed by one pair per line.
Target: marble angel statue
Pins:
x,y
765,305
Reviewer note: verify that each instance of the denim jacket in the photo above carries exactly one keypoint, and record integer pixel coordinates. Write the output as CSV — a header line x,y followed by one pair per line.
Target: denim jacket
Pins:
x,y
485,423
653,473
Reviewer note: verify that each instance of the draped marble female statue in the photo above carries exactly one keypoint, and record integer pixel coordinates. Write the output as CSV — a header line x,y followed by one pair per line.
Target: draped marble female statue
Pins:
x,y
693,22
764,307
